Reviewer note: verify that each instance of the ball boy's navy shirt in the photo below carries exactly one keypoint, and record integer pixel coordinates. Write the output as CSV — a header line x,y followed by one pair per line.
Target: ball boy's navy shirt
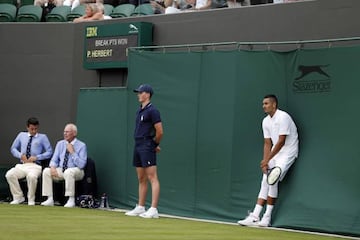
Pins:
x,y
146,118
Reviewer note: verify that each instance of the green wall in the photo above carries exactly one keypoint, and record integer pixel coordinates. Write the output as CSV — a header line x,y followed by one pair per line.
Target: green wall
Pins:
x,y
211,111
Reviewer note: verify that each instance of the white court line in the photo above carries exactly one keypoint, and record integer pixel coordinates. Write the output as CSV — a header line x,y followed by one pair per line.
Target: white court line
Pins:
x,y
229,223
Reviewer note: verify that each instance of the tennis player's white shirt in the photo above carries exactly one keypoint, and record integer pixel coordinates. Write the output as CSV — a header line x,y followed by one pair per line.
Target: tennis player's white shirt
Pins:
x,y
282,124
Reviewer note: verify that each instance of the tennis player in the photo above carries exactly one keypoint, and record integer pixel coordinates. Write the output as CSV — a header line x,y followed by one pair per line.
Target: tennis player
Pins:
x,y
280,150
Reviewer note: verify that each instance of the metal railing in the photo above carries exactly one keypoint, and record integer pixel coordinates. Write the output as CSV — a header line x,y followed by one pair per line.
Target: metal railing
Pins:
x,y
248,45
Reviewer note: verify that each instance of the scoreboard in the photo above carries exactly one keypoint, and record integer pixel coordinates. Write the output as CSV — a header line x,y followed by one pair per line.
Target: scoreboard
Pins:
x,y
106,45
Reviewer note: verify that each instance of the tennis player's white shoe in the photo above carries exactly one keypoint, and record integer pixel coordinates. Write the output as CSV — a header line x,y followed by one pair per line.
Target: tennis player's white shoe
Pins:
x,y
250,220
265,221
136,211
150,213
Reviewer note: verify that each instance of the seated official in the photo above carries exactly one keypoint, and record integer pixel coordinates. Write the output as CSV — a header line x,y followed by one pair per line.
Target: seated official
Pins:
x,y
67,163
30,148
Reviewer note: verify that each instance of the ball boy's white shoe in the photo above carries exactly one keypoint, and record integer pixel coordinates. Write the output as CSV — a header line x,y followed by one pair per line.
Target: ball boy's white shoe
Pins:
x,y
136,211
150,213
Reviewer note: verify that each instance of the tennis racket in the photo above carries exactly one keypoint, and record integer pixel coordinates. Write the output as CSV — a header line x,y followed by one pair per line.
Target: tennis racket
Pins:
x,y
273,175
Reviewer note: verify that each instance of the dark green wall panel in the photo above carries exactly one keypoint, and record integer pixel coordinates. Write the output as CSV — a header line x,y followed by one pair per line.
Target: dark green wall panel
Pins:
x,y
211,107
102,125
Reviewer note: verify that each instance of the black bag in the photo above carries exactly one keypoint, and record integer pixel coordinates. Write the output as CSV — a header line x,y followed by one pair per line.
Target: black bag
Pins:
x,y
87,201
88,185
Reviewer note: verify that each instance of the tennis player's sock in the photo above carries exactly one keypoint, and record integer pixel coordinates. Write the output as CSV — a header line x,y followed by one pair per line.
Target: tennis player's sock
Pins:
x,y
257,210
269,209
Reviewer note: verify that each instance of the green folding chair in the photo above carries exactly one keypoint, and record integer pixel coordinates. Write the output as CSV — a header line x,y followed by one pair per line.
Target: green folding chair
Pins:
x,y
58,14
76,12
123,10
7,12
108,8
29,13
143,9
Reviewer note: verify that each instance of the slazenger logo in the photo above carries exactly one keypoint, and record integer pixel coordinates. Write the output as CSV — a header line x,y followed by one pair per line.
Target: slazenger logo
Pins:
x,y
312,79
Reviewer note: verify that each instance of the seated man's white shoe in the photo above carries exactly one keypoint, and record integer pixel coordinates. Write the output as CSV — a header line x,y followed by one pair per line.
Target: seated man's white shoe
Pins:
x,y
31,201
265,221
49,202
136,211
18,200
70,202
250,220
150,213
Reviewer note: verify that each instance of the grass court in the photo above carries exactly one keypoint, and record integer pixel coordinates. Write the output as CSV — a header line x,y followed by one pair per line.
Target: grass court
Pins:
x,y
59,223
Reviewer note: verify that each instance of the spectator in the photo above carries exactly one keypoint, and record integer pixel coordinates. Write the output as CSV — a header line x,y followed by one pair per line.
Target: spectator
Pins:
x,y
67,163
199,4
47,6
75,3
92,12
102,9
238,3
72,3
30,147
165,5
48,3
176,6
285,1
158,6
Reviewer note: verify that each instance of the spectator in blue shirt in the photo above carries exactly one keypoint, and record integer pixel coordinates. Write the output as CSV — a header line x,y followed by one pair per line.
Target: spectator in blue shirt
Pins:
x,y
67,163
30,148
148,133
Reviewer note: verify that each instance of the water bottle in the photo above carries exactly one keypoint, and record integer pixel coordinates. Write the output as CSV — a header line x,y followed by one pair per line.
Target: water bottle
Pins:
x,y
104,201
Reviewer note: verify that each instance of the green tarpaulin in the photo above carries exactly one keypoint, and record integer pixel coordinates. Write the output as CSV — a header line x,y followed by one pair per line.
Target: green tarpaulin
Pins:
x,y
211,107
